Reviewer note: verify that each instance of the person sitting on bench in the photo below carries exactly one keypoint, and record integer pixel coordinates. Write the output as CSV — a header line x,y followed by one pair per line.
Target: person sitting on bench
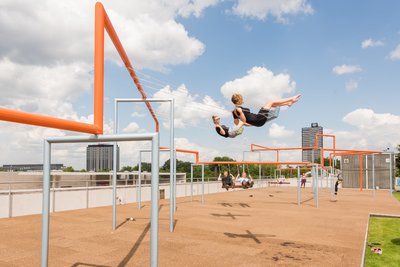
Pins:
x,y
245,181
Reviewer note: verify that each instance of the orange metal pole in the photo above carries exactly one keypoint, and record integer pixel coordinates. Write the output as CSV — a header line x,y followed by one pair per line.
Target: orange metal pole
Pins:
x,y
121,51
301,163
46,121
99,66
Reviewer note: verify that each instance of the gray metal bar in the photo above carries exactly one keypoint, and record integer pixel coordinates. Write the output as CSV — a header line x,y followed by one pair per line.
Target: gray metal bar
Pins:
x,y
391,173
316,188
46,204
171,169
9,200
114,188
373,173
202,184
139,185
154,137
298,187
175,181
155,154
259,169
126,100
191,182
101,138
366,172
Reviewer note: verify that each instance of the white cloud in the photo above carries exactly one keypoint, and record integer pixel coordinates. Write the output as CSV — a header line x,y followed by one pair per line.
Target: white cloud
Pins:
x,y
279,131
346,69
367,119
132,127
262,9
188,109
259,86
371,43
395,54
351,85
137,114
148,30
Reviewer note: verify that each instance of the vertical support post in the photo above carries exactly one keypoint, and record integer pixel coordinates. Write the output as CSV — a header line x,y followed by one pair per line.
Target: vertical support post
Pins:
x,y
361,182
114,176
366,172
9,200
114,188
202,184
46,204
316,189
139,185
171,168
155,154
87,194
259,170
391,174
191,182
373,173
298,186
175,181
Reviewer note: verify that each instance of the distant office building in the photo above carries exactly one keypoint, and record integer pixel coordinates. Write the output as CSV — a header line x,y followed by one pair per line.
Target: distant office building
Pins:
x,y
100,157
30,167
308,140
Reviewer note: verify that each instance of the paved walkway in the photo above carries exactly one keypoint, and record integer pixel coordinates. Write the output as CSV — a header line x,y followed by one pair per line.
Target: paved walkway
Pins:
x,y
259,227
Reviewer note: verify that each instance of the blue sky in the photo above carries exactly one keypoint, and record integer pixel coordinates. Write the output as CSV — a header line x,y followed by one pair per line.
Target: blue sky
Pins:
x,y
342,56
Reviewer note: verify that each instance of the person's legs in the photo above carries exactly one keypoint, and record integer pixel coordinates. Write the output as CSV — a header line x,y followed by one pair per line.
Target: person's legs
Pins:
x,y
282,102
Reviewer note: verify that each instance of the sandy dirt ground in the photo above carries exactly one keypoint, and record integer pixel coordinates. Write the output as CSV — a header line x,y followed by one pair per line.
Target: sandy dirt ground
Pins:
x,y
257,227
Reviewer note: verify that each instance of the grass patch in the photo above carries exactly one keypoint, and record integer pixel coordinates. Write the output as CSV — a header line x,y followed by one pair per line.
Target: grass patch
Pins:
x,y
397,195
384,233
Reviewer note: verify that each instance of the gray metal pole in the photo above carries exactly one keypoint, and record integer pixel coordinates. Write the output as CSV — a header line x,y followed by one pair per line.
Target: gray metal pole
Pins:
x,y
114,176
202,184
191,182
175,181
298,186
46,204
9,200
114,188
171,169
391,174
155,154
366,172
139,185
373,173
316,189
259,169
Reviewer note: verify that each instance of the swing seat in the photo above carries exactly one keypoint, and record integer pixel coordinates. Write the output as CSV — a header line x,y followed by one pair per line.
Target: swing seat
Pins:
x,y
273,113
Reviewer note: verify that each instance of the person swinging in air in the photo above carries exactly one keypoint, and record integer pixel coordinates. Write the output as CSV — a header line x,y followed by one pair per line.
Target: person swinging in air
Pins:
x,y
225,131
242,114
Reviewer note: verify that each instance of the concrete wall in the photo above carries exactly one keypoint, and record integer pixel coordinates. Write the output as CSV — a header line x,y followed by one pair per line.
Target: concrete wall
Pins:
x,y
26,202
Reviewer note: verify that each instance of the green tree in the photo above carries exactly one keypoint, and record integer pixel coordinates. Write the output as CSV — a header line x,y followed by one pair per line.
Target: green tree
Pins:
x,y
127,169
68,169
146,167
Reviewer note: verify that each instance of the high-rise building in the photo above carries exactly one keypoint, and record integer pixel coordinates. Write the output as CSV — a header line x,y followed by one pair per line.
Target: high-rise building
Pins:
x,y
100,157
308,140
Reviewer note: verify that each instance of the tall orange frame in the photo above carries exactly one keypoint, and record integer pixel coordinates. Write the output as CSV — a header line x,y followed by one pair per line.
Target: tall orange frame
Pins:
x,y
102,22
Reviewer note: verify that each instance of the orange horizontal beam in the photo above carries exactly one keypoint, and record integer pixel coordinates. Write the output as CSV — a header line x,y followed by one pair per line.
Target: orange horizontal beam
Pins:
x,y
254,162
46,121
184,151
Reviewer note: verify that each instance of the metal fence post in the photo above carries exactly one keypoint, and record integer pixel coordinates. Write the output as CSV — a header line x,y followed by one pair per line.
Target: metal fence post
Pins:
x,y
46,204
